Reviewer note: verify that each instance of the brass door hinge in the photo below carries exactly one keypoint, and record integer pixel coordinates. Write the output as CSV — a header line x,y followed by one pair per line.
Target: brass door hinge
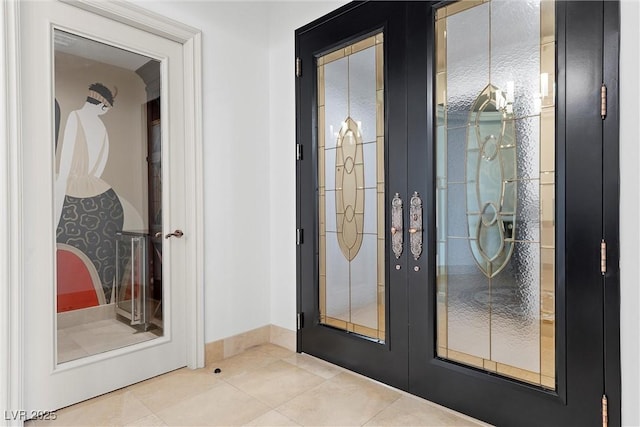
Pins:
x,y
605,411
298,67
603,101
603,257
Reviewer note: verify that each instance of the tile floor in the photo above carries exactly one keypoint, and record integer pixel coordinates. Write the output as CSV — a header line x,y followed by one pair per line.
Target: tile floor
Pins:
x,y
266,385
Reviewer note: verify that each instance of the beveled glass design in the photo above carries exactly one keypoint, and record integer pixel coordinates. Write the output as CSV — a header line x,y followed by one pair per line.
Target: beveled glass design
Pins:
x,y
495,187
491,167
351,199
349,190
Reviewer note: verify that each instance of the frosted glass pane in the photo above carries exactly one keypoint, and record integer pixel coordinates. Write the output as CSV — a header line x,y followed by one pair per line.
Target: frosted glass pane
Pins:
x,y
369,151
330,211
337,280
469,302
362,92
441,212
515,52
528,211
456,146
370,212
336,83
515,319
441,152
528,140
364,286
456,214
467,61
491,222
329,169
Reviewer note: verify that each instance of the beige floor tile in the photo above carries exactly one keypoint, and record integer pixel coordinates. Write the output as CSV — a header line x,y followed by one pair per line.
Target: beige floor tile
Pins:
x,y
222,405
272,418
412,411
276,383
275,351
314,365
250,360
110,410
344,400
148,421
167,390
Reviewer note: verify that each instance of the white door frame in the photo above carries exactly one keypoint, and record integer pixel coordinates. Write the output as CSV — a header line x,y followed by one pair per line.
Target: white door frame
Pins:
x,y
12,304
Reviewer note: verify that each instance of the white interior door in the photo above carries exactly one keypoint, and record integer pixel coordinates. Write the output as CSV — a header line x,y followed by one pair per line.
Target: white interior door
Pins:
x,y
99,154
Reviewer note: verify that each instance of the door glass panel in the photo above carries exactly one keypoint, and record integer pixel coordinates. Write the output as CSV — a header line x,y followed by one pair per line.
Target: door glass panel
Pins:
x,y
495,197
108,194
351,188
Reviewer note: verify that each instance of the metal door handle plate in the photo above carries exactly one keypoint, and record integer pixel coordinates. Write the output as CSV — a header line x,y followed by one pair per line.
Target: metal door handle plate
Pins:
x,y
415,222
396,225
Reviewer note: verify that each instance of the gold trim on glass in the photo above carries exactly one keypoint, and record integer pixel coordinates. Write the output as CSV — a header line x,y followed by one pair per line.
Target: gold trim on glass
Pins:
x,y
349,194
544,376
333,56
363,44
349,189
459,6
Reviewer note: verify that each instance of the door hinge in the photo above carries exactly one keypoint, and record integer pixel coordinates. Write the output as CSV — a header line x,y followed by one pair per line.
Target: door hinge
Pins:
x,y
603,257
298,236
300,320
603,101
605,411
298,67
298,152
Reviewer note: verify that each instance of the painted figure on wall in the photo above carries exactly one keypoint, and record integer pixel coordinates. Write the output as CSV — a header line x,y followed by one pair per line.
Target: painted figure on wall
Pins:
x,y
88,211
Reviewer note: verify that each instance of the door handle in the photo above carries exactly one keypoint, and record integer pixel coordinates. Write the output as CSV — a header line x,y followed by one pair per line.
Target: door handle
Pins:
x,y
415,224
396,225
177,233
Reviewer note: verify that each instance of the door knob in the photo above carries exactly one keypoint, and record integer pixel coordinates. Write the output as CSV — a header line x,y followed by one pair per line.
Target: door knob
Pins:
x,y
177,233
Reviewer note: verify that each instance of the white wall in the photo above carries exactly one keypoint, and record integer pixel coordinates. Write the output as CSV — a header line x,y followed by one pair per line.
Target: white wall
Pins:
x,y
236,152
249,138
285,18
630,211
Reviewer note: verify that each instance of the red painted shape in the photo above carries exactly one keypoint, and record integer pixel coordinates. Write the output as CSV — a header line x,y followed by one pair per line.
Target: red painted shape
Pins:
x,y
75,287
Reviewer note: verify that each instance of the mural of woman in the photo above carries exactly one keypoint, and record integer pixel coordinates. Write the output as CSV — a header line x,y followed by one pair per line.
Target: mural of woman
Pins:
x,y
87,210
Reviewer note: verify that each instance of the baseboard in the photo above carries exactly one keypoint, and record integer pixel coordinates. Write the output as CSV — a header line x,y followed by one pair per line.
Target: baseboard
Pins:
x,y
236,344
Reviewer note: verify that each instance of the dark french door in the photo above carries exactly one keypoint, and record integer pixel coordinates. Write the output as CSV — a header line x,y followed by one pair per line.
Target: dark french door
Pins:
x,y
457,203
